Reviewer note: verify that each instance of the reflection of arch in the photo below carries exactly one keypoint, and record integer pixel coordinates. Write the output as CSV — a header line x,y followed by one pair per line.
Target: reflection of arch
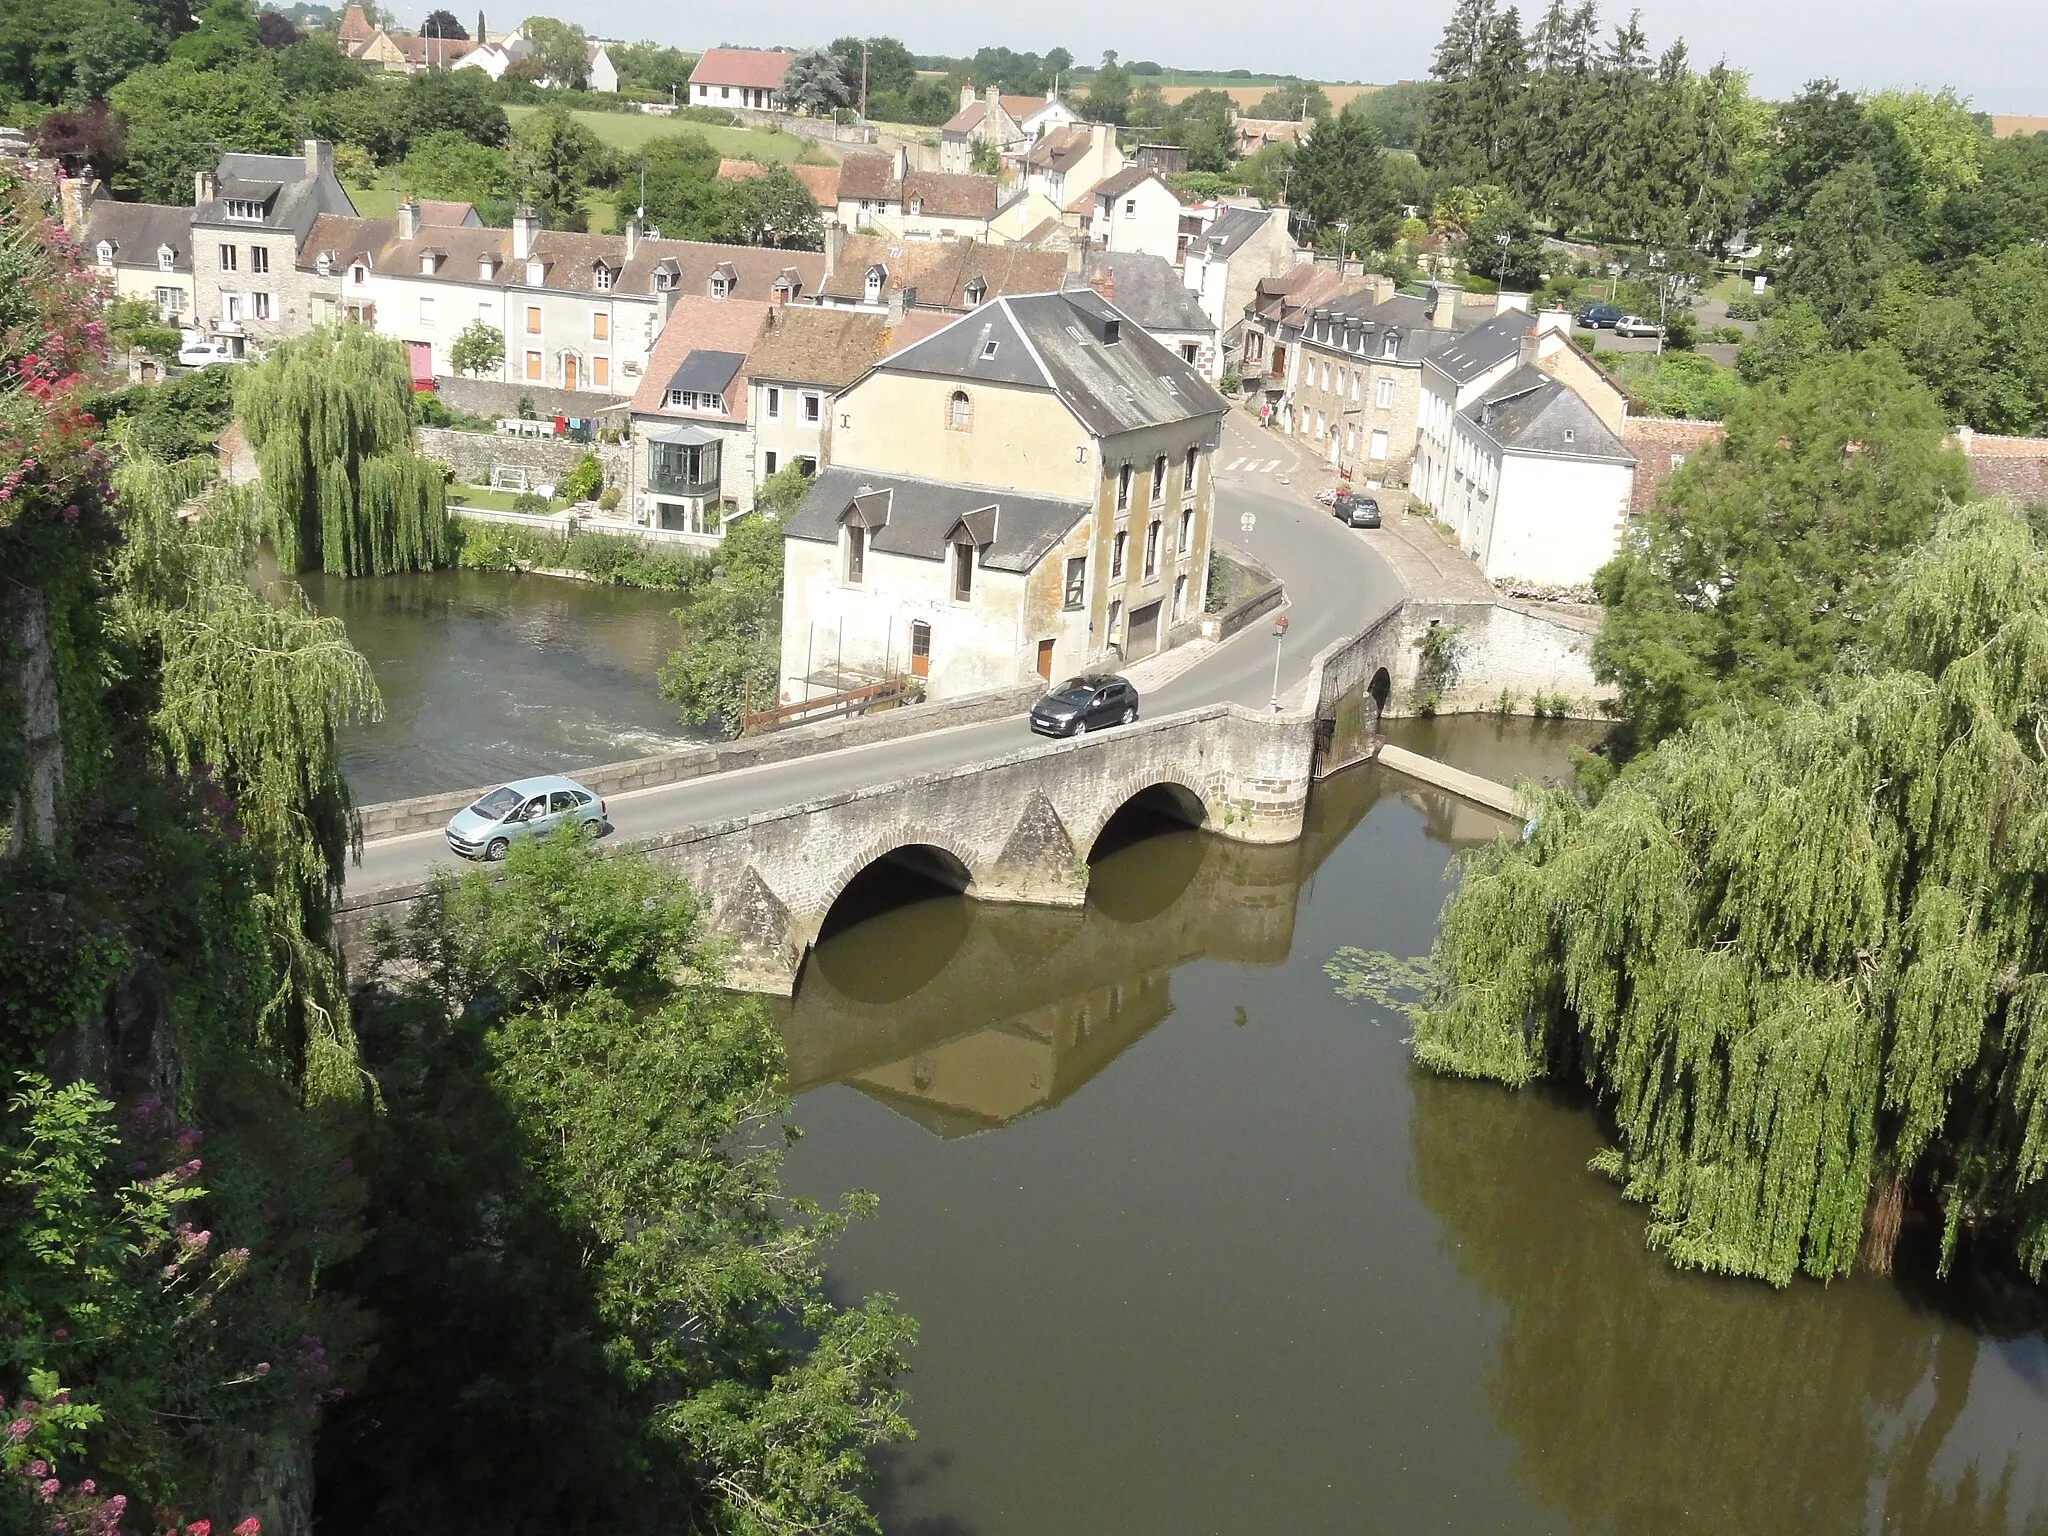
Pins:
x,y
1380,688
1152,797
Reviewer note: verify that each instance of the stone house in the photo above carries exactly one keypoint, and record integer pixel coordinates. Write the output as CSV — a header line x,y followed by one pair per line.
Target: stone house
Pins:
x,y
1066,163
693,463
1223,266
876,272
143,249
1268,347
1522,451
878,191
739,77
1010,123
1024,494
250,216
802,361
1148,289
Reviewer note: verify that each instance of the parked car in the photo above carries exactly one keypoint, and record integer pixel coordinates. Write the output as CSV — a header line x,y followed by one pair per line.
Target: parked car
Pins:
x,y
524,808
197,353
1358,511
1636,325
1599,317
1083,703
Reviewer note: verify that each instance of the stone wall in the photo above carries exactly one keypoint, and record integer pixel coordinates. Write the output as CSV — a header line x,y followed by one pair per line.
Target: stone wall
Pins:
x,y
473,455
490,397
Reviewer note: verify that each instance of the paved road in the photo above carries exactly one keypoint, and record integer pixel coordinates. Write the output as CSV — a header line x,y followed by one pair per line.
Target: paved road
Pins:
x,y
1335,580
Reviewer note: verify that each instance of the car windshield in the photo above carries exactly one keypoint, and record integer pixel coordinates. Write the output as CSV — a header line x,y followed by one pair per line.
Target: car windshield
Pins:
x,y
1074,691
498,802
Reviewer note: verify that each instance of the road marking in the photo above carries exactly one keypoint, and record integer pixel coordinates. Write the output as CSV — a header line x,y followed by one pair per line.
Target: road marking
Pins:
x,y
1234,462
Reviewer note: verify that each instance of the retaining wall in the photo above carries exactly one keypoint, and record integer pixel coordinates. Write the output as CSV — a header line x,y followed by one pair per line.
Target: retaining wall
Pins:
x,y
473,455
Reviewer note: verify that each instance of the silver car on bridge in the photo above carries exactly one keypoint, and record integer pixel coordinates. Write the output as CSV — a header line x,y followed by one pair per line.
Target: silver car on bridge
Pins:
x,y
524,808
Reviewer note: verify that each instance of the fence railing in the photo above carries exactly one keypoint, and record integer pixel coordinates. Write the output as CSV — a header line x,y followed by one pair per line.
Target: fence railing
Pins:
x,y
830,706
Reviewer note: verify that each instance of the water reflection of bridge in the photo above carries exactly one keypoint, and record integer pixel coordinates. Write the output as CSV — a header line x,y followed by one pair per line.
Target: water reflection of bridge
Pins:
x,y
965,1016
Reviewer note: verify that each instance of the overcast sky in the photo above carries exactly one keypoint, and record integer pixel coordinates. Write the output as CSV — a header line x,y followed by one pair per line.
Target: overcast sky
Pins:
x,y
1994,51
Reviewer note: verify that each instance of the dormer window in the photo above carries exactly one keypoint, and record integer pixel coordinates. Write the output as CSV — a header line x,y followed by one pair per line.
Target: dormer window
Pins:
x,y
601,278
1391,347
916,206
536,274
873,288
242,211
106,253
358,274
976,292
718,286
667,277
166,258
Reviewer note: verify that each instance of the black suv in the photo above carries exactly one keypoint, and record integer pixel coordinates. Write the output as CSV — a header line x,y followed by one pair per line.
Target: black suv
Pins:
x,y
1599,317
1083,703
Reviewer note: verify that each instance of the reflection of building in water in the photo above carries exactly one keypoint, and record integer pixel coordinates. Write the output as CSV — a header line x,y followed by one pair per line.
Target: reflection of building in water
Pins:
x,y
1457,822
1025,1005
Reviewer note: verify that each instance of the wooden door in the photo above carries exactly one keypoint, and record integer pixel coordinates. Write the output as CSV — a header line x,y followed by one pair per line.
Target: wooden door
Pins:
x,y
1045,659
920,649
569,373
1144,632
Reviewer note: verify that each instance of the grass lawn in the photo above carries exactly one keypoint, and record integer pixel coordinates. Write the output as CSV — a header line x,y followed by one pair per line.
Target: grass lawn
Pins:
x,y
632,130
491,501
379,201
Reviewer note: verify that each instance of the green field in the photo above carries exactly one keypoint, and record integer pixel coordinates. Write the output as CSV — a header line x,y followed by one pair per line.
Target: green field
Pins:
x,y
632,130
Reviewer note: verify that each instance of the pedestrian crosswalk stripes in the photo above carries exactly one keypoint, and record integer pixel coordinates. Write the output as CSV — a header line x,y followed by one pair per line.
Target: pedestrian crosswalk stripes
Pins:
x,y
1251,466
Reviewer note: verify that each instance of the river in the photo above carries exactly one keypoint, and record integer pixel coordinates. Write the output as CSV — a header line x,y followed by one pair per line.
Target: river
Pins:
x,y
1193,1245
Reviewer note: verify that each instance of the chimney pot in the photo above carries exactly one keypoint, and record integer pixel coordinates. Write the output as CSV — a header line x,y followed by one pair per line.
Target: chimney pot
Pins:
x,y
202,188
409,219
632,237
1443,307
319,156
525,225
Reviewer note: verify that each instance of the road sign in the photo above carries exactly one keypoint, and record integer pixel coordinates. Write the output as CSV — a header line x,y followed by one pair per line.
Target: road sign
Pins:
x,y
1249,521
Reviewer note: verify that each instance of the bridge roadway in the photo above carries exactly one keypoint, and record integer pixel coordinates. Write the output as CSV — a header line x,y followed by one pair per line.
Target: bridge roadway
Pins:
x,y
1336,583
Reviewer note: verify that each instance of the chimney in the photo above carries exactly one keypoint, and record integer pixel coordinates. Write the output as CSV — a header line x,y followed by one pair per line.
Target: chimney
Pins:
x,y
902,163
1505,302
966,94
74,197
1380,286
203,188
835,246
995,93
525,225
1077,258
1103,280
319,156
632,237
409,219
897,300
1443,307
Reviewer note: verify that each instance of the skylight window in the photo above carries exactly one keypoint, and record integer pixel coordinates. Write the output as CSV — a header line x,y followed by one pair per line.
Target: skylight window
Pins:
x,y
988,350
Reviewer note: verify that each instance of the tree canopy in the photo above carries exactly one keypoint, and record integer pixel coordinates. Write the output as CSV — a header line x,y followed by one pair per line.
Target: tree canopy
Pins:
x,y
1340,177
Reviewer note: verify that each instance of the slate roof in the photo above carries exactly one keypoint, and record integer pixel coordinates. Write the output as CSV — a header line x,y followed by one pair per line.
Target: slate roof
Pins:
x,y
1355,315
942,270
137,231
1059,342
757,67
921,513
1531,412
698,324
1230,229
1484,346
1145,287
301,197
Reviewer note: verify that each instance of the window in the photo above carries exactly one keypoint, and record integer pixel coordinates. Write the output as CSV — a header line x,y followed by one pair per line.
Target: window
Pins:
x,y
1379,445
1326,378
533,366
600,326
1391,347
1123,487
426,311
259,258
774,404
963,571
873,287
1189,351
1187,473
1077,583
232,304
227,258
1130,205
857,555
601,278
244,211
988,349
167,259
718,286
1116,553
725,93
814,407
1187,530
976,292
959,412
1180,598
170,301
601,370
1383,394
533,319
768,462
483,310
1159,480
1152,549
806,464
259,305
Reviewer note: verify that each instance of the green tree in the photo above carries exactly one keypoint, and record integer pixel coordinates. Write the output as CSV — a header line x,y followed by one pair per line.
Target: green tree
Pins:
x,y
226,36
330,417
552,158
316,66
450,165
1395,112
1792,953
1109,92
683,192
1503,245
1792,338
2007,206
1938,144
812,82
181,119
983,158
478,350
651,69
1295,100
772,210
1340,177
731,632
560,52
452,101
1842,251
1760,563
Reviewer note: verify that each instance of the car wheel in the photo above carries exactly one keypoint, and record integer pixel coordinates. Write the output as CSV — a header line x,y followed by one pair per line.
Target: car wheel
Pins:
x,y
1130,714
496,850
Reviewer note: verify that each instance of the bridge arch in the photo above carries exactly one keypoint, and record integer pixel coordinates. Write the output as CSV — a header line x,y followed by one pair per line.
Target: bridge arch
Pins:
x,y
938,859
1159,795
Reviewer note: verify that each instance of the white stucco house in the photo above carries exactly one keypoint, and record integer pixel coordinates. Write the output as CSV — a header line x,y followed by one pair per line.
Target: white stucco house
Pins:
x,y
1135,211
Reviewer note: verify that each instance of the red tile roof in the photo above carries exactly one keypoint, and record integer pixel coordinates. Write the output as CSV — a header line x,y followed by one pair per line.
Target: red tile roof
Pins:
x,y
699,324
821,181
756,67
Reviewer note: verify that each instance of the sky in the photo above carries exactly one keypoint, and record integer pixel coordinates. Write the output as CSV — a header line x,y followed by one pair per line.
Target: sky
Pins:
x,y
1993,51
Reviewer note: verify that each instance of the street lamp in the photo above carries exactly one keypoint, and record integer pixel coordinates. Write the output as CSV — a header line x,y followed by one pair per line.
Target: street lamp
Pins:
x,y
1657,266
1279,631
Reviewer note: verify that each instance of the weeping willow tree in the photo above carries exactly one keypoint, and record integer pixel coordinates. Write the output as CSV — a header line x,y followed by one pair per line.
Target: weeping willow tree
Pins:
x,y
330,418
1803,958
252,689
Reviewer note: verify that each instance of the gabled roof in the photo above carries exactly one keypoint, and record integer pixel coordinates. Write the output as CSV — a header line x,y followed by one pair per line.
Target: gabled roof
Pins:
x,y
759,68
1229,230
869,176
1060,148
967,119
1403,316
802,344
1145,287
1483,347
701,325
1127,178
1062,342
293,194
947,195
438,213
137,232
821,181
705,371
1020,531
1531,412
943,270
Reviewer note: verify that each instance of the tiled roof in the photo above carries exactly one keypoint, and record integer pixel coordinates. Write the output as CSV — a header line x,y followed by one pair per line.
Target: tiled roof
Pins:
x,y
346,239
1021,107
821,181
698,324
868,176
967,119
756,67
942,270
1060,148
138,231
801,344
950,196
1123,180
436,212
922,514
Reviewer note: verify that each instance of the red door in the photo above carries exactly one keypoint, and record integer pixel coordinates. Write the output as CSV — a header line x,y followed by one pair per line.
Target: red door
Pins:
x,y
920,649
422,356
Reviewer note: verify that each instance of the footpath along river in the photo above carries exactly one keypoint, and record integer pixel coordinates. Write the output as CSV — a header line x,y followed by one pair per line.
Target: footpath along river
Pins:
x,y
1193,1245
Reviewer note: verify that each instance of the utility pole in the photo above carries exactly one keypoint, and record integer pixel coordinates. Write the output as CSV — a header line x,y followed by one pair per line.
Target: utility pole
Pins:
x,y
863,80
1657,266
1279,633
